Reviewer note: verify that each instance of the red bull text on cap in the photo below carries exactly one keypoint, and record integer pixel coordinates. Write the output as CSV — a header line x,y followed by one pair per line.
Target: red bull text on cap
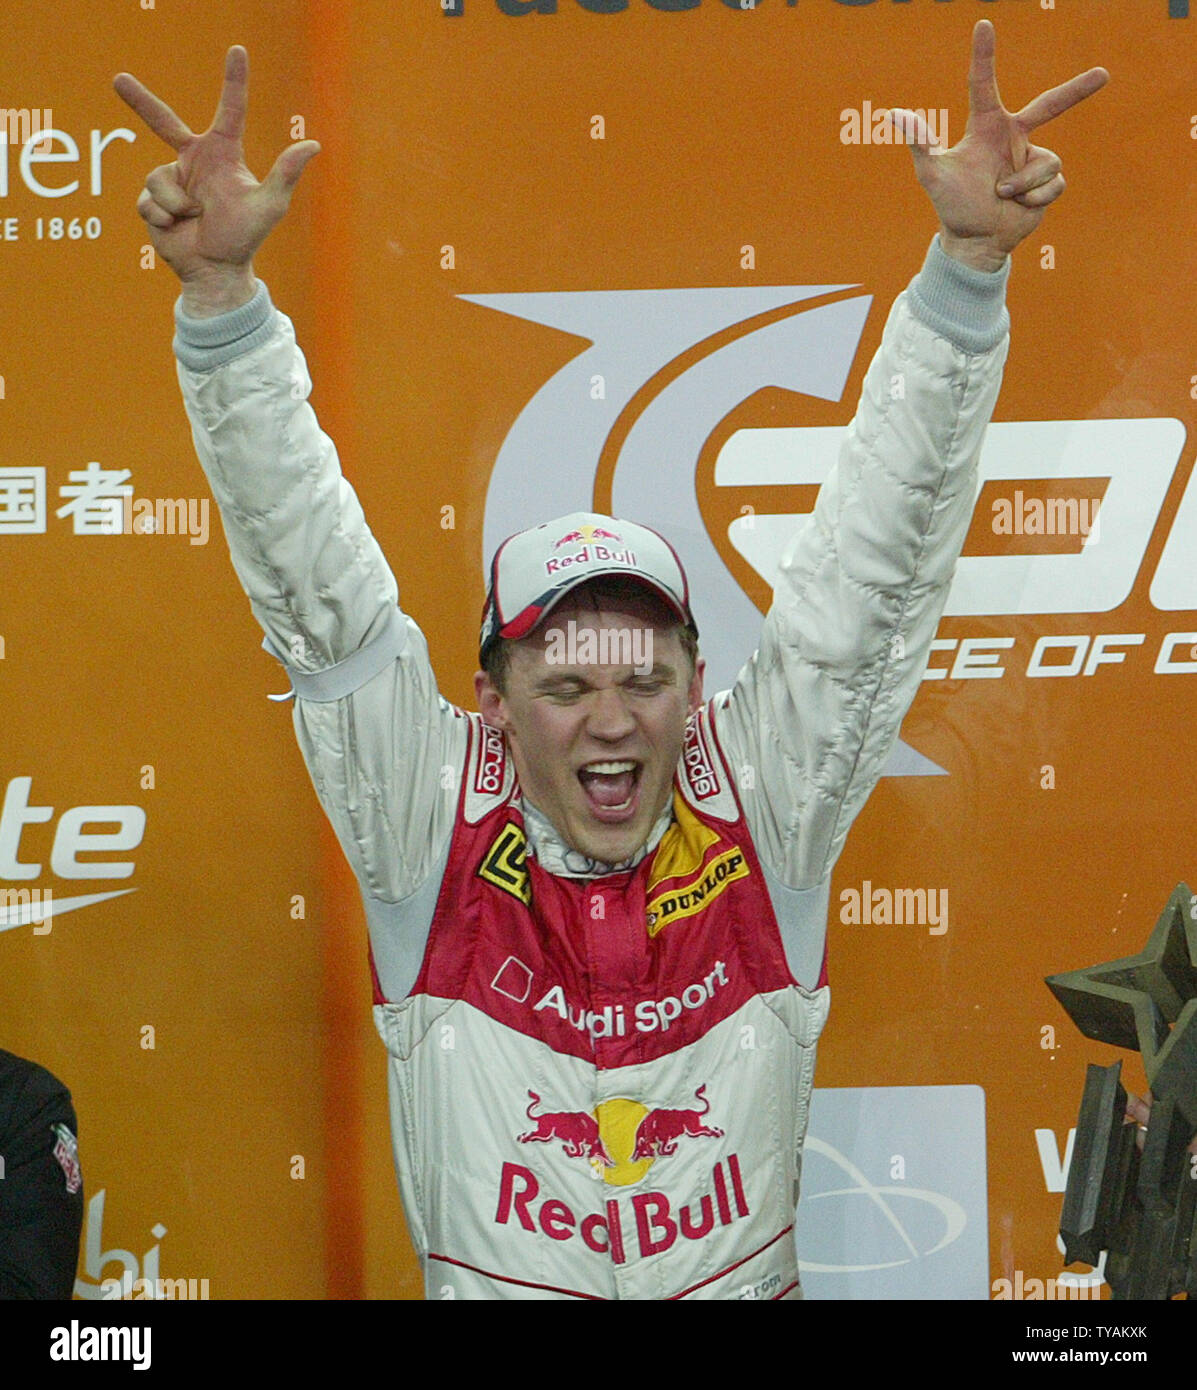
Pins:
x,y
535,569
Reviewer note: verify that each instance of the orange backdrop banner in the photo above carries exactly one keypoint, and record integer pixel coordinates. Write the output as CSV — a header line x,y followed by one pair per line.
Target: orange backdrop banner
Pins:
x,y
490,267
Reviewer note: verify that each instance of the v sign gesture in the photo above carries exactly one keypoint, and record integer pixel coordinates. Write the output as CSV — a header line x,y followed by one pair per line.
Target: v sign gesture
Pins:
x,y
991,188
206,212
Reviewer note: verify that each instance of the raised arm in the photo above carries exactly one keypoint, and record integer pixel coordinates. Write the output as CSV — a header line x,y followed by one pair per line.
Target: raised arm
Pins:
x,y
375,734
861,590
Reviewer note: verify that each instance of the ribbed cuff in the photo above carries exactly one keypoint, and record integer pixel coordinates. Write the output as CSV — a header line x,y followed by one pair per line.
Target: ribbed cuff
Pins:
x,y
350,674
966,306
203,344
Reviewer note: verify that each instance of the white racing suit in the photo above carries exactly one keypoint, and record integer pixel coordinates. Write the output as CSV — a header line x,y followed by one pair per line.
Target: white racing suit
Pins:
x,y
600,1077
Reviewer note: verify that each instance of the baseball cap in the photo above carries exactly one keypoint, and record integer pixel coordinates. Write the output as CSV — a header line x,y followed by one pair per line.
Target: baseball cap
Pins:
x,y
535,569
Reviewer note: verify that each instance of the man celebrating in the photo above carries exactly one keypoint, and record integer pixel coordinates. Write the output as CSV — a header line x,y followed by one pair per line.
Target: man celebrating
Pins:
x,y
598,908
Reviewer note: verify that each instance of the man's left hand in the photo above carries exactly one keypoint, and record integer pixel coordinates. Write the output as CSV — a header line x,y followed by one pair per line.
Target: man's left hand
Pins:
x,y
991,188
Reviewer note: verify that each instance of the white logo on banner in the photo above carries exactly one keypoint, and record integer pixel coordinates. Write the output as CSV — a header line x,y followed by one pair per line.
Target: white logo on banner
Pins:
x,y
1137,459
26,904
883,1200
553,448
96,1259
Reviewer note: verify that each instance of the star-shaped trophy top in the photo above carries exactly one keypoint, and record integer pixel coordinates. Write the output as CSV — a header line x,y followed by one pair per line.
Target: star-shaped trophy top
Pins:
x,y
1147,1002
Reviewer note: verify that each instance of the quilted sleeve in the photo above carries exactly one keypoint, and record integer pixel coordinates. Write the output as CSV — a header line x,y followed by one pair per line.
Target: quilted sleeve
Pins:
x,y
860,591
383,748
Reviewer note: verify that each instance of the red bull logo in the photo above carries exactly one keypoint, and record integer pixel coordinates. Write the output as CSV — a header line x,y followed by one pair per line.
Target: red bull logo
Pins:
x,y
592,551
587,535
658,1226
659,1131
577,1131
622,1138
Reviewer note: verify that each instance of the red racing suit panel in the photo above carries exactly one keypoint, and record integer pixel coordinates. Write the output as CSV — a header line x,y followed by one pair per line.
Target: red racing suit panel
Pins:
x,y
630,1059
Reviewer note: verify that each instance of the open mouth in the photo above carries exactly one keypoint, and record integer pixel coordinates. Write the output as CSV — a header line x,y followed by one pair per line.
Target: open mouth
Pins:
x,y
611,787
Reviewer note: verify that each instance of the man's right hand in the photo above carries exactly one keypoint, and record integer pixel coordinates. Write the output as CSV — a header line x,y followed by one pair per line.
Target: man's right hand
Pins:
x,y
206,212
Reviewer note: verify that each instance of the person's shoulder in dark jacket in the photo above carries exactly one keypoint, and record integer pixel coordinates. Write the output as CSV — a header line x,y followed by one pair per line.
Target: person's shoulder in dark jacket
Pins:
x,y
41,1183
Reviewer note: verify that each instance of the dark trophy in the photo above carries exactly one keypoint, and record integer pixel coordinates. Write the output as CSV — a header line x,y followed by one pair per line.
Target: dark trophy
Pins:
x,y
1140,1206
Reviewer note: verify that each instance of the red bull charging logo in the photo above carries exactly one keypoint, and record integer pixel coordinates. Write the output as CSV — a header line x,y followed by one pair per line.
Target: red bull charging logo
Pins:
x,y
577,1131
659,1131
591,545
622,1138
587,535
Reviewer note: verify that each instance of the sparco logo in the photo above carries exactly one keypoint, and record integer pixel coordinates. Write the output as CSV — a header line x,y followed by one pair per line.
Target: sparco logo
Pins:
x,y
492,762
699,767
